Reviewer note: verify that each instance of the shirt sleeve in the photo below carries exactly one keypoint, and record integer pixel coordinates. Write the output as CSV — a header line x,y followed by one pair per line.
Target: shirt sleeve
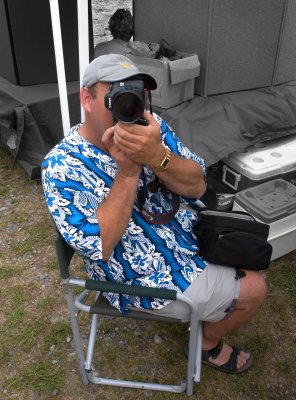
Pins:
x,y
172,141
73,193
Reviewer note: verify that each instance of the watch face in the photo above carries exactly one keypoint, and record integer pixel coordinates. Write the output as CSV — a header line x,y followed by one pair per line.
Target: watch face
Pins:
x,y
165,162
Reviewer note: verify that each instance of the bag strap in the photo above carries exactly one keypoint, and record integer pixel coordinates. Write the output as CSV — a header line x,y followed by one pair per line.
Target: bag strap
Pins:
x,y
225,213
152,217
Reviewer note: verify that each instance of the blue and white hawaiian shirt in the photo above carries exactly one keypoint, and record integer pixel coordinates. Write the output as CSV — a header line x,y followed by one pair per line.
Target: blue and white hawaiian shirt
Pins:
x,y
77,177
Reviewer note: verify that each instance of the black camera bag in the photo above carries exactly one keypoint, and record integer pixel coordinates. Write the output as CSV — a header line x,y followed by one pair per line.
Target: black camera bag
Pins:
x,y
234,239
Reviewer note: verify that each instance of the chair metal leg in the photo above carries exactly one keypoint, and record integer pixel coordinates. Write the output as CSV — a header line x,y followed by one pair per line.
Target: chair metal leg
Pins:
x,y
76,332
192,352
138,385
91,342
195,345
198,352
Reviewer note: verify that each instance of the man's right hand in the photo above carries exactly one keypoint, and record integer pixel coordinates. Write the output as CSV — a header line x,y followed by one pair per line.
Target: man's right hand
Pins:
x,y
126,167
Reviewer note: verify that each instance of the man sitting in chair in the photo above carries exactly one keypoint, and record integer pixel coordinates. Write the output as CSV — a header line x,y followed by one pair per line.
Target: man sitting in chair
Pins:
x,y
110,186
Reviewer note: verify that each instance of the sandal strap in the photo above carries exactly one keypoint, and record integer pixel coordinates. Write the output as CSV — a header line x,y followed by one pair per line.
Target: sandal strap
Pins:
x,y
214,352
231,364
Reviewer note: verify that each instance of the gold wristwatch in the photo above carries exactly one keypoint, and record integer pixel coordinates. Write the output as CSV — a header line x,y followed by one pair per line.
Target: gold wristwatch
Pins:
x,y
165,162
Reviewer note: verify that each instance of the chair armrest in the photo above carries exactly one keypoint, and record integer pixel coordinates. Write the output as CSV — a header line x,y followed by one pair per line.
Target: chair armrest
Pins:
x,y
122,288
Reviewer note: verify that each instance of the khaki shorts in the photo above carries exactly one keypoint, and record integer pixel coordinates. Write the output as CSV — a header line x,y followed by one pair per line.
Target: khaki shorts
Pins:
x,y
215,292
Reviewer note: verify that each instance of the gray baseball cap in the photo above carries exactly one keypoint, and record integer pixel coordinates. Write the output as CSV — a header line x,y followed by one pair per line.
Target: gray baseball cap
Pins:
x,y
114,68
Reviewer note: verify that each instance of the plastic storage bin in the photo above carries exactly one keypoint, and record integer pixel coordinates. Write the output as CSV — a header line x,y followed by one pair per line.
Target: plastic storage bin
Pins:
x,y
274,203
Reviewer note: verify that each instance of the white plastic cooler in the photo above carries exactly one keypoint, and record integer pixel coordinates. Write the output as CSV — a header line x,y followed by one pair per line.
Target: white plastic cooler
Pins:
x,y
260,163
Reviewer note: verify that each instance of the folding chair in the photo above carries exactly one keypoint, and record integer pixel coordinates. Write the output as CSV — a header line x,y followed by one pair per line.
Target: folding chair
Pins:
x,y
102,307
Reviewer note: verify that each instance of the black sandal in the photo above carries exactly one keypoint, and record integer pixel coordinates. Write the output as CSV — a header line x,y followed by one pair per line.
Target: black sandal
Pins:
x,y
230,367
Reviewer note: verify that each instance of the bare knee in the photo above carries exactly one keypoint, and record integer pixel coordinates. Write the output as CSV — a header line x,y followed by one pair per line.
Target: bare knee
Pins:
x,y
253,289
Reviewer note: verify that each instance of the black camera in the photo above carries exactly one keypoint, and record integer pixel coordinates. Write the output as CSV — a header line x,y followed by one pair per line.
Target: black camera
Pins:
x,y
127,100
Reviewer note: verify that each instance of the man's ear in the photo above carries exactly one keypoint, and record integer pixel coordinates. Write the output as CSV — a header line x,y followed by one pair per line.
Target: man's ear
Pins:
x,y
85,98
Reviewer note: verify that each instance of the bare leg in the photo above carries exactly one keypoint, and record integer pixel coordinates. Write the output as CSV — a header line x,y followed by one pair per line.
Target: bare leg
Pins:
x,y
252,294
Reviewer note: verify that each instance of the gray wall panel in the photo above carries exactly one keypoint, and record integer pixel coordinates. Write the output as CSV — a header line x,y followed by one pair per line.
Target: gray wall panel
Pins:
x,y
285,69
244,39
237,41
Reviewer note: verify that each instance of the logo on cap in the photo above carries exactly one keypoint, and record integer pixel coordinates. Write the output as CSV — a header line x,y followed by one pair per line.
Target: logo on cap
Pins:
x,y
126,65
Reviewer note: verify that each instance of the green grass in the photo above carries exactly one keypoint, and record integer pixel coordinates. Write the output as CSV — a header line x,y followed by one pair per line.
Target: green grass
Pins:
x,y
240,386
3,191
283,277
43,376
46,303
36,235
6,272
57,335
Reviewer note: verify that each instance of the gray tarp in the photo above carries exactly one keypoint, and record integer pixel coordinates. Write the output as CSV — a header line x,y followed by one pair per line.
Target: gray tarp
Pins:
x,y
214,127
30,120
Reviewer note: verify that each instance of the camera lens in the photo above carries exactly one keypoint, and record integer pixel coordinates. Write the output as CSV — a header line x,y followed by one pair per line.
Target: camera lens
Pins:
x,y
128,107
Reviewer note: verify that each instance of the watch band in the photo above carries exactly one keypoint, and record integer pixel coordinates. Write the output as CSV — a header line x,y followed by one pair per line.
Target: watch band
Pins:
x,y
165,162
